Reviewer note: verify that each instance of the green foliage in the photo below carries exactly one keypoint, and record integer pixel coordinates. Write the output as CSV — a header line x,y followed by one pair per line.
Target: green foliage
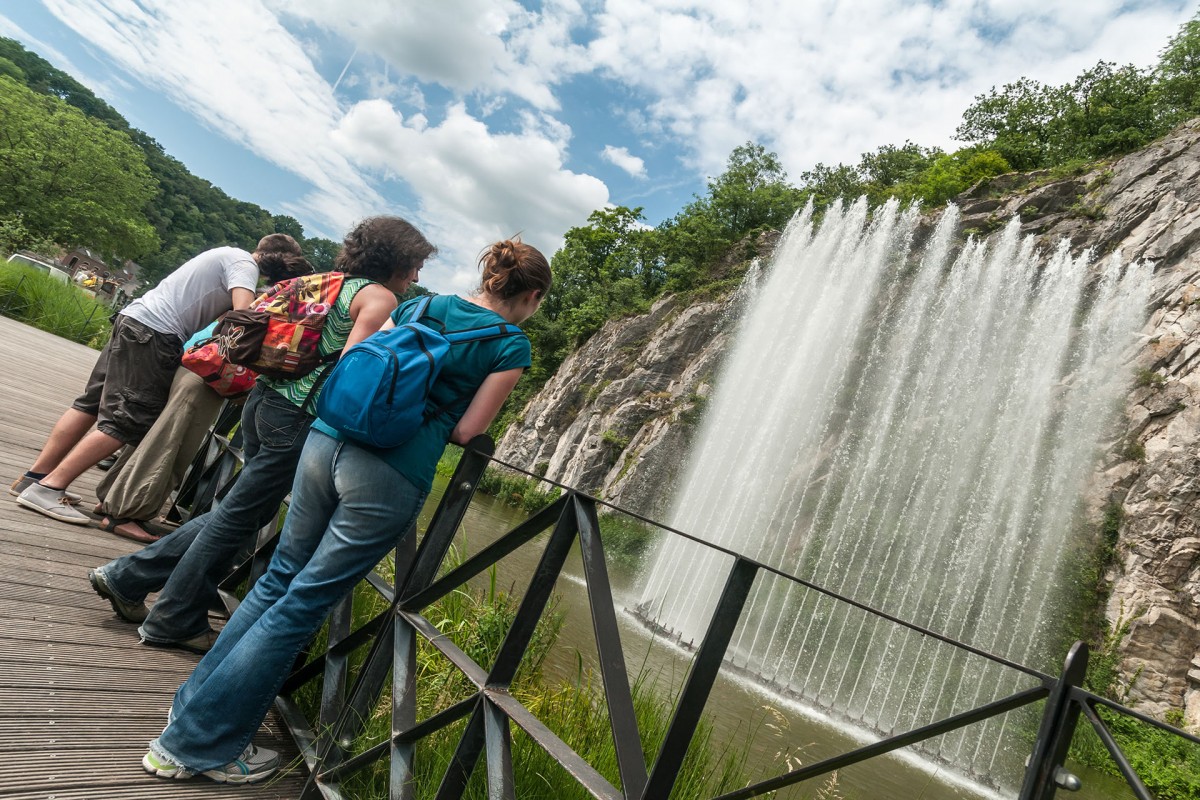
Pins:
x,y
180,216
1148,377
517,490
60,308
625,539
71,178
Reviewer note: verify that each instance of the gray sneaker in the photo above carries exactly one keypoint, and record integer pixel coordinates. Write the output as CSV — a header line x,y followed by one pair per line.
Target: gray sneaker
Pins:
x,y
130,612
24,482
201,643
53,503
254,764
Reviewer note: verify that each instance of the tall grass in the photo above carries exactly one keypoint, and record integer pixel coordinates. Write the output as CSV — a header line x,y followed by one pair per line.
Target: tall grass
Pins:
x,y
59,308
477,620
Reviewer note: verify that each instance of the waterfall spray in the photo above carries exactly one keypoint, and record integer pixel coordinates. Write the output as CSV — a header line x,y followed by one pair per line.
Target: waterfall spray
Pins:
x,y
912,427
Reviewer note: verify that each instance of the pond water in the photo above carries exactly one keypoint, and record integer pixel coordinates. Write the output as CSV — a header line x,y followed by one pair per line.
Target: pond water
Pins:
x,y
776,731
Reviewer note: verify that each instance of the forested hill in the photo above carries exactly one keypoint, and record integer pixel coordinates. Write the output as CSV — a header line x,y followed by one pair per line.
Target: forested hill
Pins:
x,y
112,187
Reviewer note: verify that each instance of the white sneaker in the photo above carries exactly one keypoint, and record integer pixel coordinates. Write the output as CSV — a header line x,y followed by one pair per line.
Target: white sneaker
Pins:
x,y
24,482
255,764
53,503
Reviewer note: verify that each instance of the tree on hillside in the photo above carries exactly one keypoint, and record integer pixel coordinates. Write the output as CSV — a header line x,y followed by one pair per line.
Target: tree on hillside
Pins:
x,y
321,252
70,178
1178,73
752,194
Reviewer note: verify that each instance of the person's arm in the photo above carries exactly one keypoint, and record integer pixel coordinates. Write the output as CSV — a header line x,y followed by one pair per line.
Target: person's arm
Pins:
x,y
485,405
242,298
369,310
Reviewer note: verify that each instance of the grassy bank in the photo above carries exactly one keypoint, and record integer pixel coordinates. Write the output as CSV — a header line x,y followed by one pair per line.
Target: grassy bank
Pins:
x,y
59,308
477,621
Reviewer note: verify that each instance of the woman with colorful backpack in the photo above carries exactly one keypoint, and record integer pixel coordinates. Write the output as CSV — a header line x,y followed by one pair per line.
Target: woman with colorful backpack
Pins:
x,y
350,505
379,260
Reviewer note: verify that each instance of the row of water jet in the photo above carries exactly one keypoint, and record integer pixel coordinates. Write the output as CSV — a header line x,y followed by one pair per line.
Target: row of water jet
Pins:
x,y
912,427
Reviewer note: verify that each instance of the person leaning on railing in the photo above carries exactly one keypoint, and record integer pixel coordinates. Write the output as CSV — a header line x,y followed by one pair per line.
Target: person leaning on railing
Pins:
x,y
380,258
349,506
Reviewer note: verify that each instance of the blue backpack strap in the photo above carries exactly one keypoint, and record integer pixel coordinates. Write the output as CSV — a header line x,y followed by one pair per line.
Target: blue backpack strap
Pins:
x,y
486,332
420,308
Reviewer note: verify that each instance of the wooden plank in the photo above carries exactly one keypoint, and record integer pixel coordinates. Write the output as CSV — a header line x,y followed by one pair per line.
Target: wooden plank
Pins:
x,y
80,696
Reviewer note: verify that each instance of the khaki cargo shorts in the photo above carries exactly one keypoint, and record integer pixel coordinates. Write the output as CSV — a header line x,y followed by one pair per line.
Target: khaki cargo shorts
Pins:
x,y
129,385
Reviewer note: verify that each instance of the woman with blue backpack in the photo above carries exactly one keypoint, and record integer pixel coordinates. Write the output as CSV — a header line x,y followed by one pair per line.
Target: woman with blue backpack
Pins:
x,y
351,502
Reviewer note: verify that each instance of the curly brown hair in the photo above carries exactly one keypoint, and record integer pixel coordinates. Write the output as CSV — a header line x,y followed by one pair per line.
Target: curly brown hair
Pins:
x,y
382,247
511,267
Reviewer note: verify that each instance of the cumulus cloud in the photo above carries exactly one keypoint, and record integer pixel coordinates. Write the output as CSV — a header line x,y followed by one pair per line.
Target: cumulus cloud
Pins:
x,y
465,45
622,158
826,81
475,186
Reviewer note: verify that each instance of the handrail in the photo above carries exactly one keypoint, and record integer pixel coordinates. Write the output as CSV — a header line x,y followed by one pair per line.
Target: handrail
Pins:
x,y
492,710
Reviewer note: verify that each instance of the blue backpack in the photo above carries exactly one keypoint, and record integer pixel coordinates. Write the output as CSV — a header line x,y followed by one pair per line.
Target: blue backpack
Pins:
x,y
378,394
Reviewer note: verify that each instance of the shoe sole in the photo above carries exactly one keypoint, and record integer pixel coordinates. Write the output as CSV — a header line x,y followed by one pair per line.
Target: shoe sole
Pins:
x,y
102,589
49,512
226,777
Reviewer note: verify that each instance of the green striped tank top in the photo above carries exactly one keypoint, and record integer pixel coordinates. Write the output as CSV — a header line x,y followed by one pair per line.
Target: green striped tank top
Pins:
x,y
333,338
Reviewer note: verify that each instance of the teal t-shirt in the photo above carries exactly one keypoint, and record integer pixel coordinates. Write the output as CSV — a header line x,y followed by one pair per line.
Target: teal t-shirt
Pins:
x,y
463,371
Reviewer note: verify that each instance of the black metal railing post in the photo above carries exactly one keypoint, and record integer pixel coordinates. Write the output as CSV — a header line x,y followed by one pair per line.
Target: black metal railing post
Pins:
x,y
710,656
1058,726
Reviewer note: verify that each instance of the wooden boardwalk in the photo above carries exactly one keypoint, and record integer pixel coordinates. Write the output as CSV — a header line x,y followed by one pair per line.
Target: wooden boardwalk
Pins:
x,y
80,696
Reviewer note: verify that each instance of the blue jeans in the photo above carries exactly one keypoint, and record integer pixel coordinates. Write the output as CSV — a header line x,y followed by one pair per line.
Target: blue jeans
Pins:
x,y
188,564
349,509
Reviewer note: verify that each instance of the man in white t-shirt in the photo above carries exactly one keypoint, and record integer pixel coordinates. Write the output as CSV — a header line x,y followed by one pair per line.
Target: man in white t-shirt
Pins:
x,y
129,385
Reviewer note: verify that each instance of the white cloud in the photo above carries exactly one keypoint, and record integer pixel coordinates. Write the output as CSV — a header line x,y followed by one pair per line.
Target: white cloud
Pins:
x,y
622,158
235,68
464,45
826,81
474,186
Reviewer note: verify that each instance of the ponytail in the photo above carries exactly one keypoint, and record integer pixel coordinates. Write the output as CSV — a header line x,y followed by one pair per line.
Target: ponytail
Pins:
x,y
511,267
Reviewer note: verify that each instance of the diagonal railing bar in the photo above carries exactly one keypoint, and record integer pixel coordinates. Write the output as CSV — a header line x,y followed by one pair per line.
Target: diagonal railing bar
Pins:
x,y
446,646
486,557
497,736
447,716
621,716
448,516
466,756
1114,750
1084,696
884,746
369,631
584,773
709,657
941,637
533,604
1055,731
441,719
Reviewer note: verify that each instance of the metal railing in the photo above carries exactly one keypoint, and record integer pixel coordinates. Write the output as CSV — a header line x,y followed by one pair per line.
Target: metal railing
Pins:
x,y
491,711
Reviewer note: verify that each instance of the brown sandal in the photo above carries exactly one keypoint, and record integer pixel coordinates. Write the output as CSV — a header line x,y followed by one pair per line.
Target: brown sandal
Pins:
x,y
111,524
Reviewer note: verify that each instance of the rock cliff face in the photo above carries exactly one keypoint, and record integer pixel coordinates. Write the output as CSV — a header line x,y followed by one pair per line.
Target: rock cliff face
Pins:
x,y
616,419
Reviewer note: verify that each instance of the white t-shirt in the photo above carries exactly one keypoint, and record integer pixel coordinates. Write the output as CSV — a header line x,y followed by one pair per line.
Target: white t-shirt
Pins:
x,y
196,293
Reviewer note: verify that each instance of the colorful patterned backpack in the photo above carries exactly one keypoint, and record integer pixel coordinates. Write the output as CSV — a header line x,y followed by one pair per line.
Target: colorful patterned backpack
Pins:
x,y
278,335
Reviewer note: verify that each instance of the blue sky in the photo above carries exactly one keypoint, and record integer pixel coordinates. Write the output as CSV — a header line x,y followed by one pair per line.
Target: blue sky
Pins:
x,y
477,119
